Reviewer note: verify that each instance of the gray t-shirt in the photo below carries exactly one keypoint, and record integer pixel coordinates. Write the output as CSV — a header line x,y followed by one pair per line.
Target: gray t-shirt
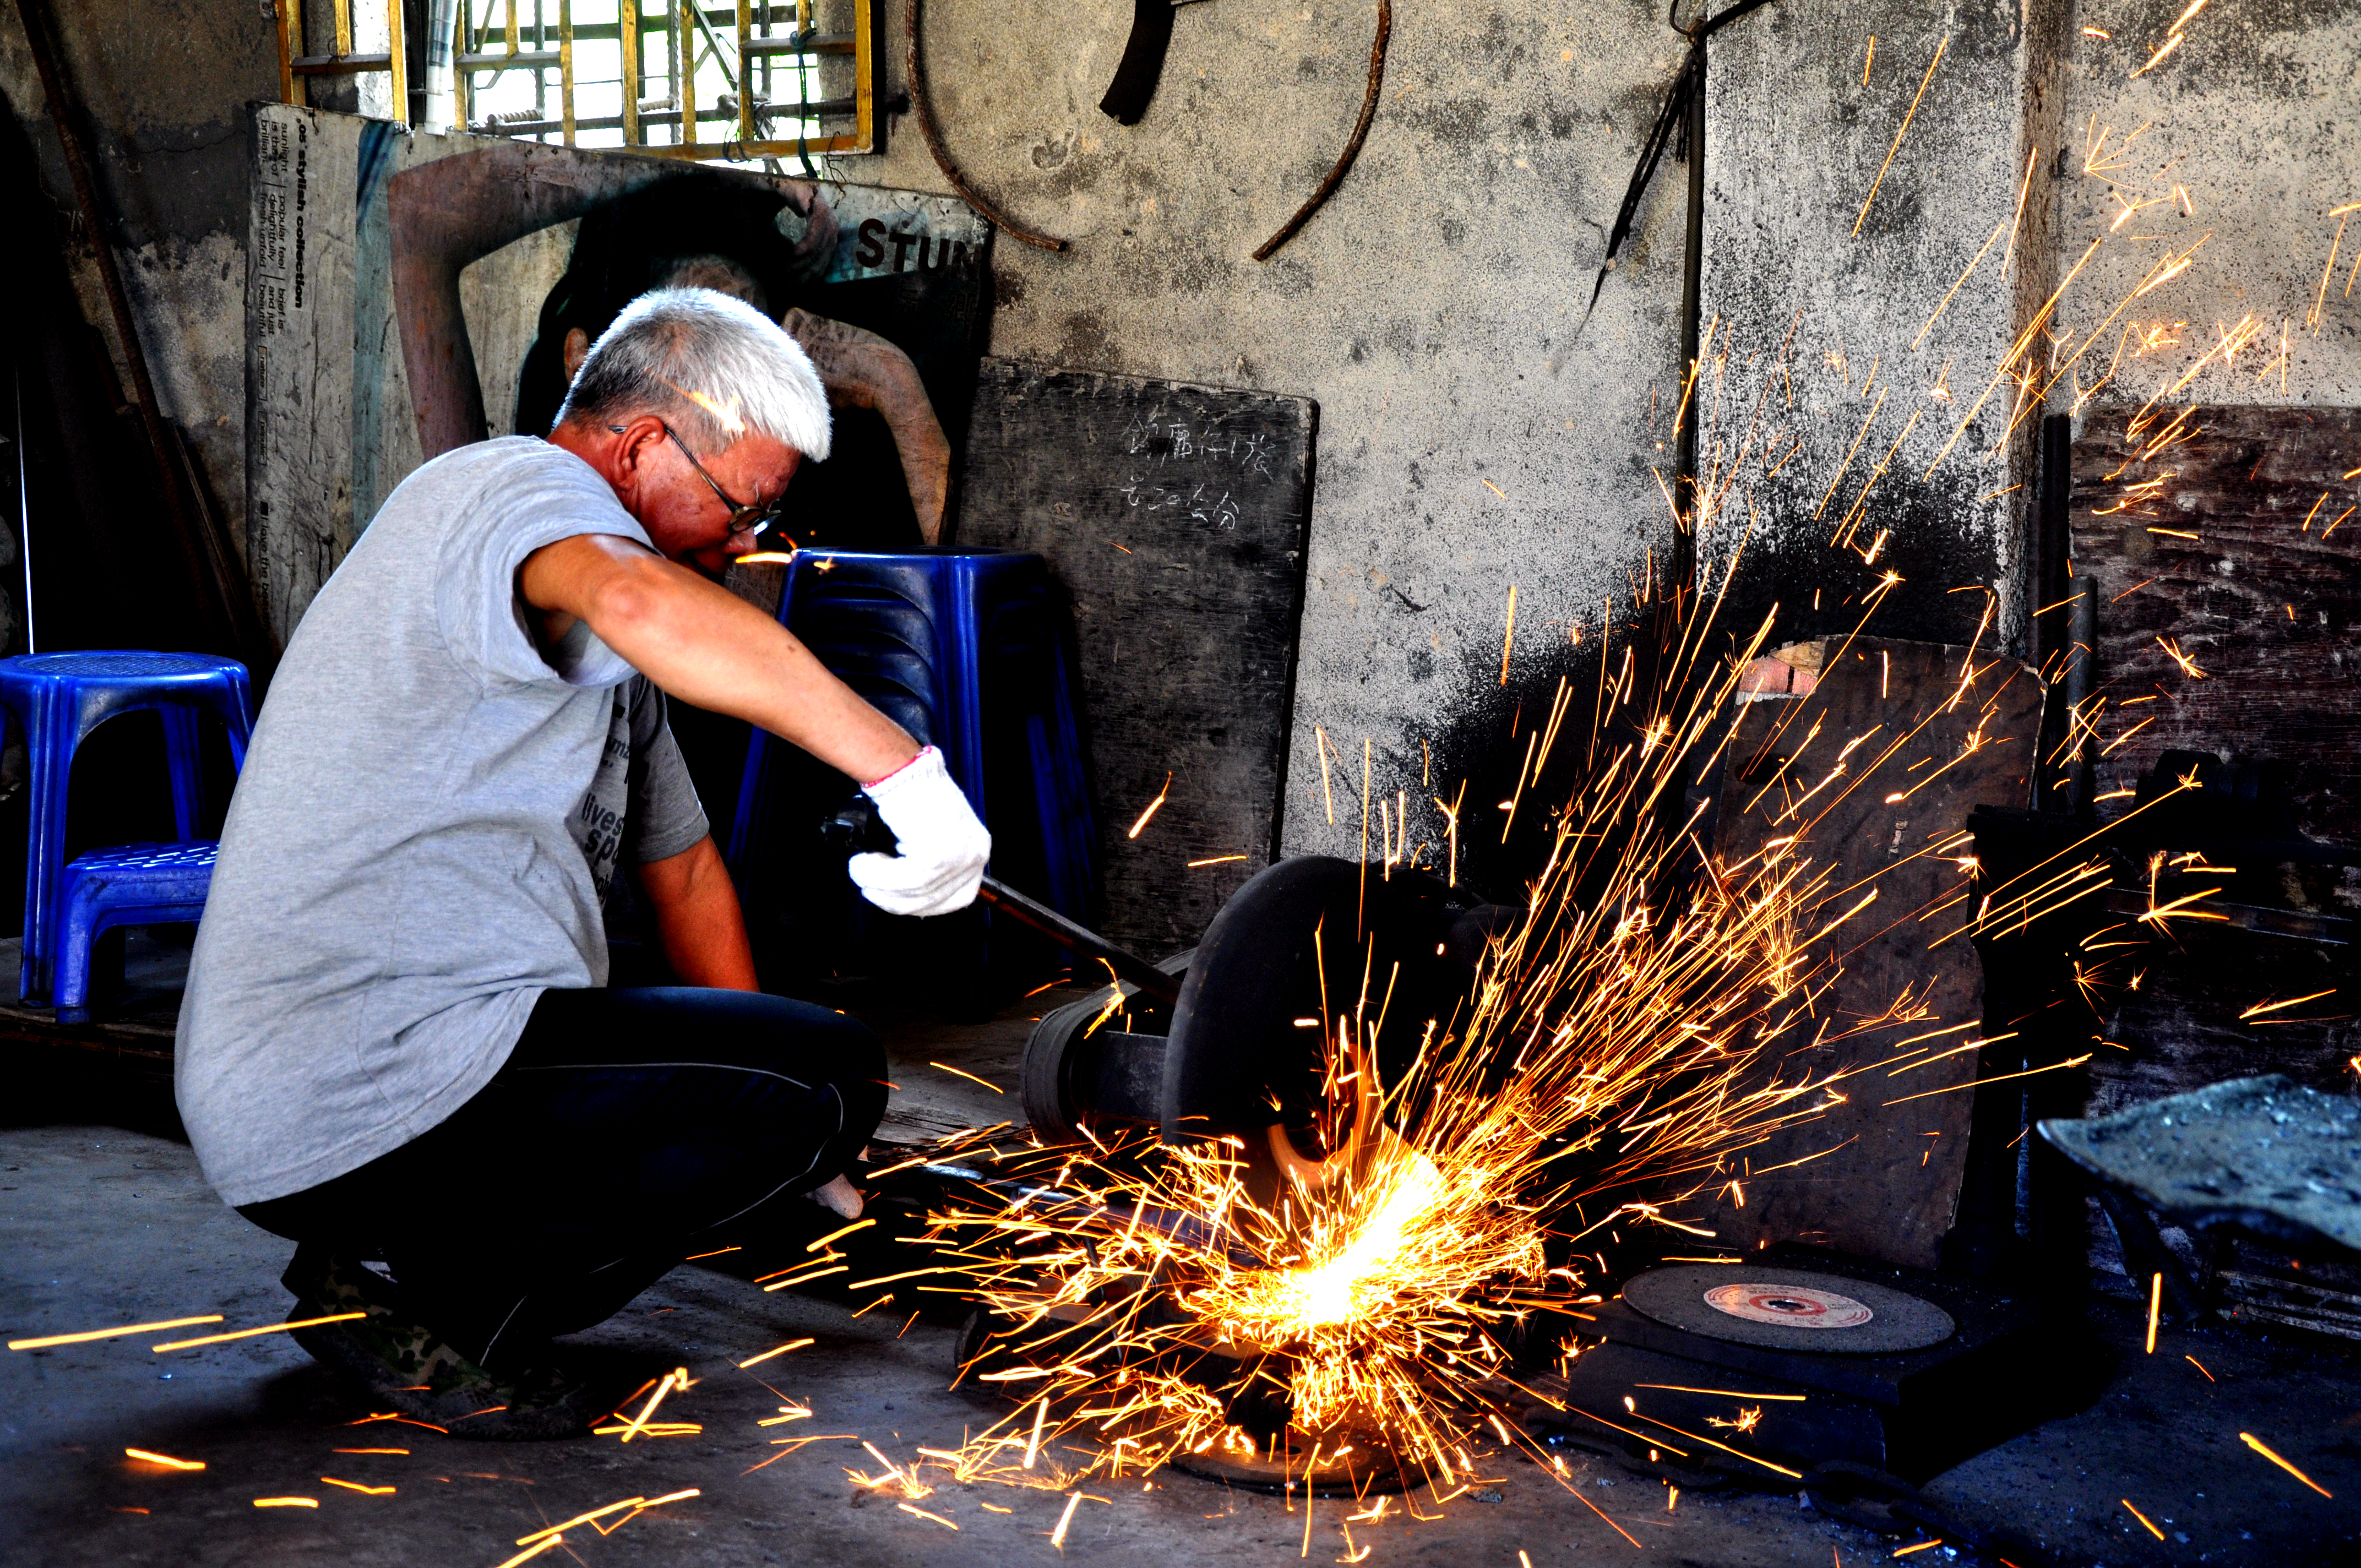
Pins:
x,y
429,819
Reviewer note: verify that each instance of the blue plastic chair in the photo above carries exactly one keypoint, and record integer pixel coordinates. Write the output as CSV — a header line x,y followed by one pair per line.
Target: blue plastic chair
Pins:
x,y
130,884
57,699
970,651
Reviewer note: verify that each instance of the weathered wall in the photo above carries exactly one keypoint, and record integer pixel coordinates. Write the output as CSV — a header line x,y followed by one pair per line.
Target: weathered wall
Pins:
x,y
161,89
2048,123
2033,126
1826,365
2248,120
1470,440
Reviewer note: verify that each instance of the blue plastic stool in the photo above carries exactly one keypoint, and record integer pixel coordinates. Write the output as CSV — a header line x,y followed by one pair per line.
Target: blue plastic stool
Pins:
x,y
57,699
970,651
130,884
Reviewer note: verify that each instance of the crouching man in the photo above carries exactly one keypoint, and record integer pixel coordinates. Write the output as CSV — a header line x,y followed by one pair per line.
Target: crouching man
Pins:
x,y
396,1044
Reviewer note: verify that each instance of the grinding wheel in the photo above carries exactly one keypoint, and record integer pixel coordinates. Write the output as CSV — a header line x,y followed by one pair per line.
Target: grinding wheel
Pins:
x,y
1045,1082
1305,943
1308,944
1787,1309
1061,1066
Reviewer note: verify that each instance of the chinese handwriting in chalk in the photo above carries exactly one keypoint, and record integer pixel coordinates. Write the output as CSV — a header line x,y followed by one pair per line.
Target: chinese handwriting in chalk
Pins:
x,y
1161,439
1202,503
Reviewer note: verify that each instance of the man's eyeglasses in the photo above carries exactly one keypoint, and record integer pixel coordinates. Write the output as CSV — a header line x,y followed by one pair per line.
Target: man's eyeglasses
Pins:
x,y
744,518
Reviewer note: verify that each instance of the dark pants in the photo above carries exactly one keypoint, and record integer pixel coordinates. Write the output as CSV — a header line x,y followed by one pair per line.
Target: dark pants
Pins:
x,y
626,1127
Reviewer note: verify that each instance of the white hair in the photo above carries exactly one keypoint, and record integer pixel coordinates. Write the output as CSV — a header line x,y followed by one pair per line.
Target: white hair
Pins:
x,y
712,367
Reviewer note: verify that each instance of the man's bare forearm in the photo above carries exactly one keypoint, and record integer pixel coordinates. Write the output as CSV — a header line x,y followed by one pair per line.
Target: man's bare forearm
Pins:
x,y
698,920
701,643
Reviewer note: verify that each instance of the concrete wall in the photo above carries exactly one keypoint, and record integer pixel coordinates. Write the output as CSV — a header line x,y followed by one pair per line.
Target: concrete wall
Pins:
x,y
1823,293
161,89
1470,440
2022,130
2250,117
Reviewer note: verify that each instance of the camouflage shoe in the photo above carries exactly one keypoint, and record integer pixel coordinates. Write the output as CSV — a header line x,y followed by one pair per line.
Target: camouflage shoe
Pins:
x,y
406,1366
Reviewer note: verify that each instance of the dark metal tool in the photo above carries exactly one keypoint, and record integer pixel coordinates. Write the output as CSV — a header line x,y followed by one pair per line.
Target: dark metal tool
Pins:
x,y
1683,111
858,830
1080,940
1231,1038
1143,61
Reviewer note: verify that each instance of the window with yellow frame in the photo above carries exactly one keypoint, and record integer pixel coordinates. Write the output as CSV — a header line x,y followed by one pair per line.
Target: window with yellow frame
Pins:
x,y
759,80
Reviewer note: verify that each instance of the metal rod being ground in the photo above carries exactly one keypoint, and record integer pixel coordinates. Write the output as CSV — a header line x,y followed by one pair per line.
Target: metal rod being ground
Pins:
x,y
1080,939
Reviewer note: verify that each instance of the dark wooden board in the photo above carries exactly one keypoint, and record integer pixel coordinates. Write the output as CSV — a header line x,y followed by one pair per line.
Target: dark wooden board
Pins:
x,y
1889,1186
2182,1030
2274,686
1176,518
2248,483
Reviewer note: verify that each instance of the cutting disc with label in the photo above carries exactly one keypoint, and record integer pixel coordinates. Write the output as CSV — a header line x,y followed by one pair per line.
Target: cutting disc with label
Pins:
x,y
1787,1309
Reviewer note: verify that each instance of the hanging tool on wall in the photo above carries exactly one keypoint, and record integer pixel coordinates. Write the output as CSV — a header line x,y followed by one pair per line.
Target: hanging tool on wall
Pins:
x,y
922,107
1143,61
1683,110
1327,188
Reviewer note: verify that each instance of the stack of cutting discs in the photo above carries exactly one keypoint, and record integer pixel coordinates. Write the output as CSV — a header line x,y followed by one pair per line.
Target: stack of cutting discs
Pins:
x,y
1788,1309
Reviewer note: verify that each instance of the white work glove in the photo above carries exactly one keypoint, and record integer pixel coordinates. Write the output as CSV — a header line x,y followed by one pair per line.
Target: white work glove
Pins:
x,y
944,847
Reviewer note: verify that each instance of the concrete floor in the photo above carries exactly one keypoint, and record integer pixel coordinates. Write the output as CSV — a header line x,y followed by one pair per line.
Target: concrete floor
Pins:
x,y
101,1226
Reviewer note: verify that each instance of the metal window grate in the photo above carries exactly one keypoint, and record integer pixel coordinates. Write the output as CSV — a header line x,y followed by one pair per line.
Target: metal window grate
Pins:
x,y
668,78
295,70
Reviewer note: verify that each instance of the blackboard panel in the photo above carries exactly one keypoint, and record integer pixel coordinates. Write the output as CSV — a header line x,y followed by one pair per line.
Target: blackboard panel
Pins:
x,y
1176,517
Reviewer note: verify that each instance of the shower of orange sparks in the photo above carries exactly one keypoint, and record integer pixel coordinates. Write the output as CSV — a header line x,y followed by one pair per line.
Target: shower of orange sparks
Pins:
x,y
165,1459
779,1350
2173,40
1508,636
1386,1206
2342,216
1058,1536
534,1550
249,1334
724,414
638,1425
1638,1034
356,1487
86,1335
